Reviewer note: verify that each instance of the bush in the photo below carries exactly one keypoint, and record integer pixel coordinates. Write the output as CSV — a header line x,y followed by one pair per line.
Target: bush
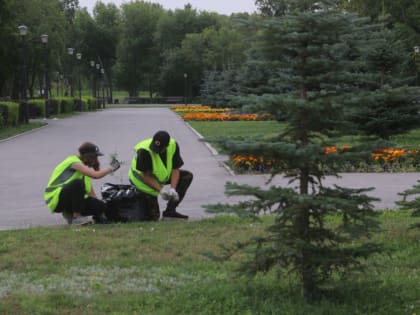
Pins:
x,y
37,107
12,116
65,104
3,115
89,103
54,106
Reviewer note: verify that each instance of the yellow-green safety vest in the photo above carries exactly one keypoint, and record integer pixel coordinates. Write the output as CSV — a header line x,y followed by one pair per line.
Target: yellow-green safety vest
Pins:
x,y
160,172
62,175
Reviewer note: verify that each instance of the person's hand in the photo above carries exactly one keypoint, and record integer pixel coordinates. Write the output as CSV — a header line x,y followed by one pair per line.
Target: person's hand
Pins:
x,y
165,192
174,194
115,164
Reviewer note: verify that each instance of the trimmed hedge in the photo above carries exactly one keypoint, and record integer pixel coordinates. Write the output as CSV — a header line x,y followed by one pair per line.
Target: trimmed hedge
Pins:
x,y
36,108
10,113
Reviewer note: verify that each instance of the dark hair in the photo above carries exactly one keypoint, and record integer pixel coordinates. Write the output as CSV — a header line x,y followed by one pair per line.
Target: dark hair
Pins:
x,y
91,160
89,147
89,153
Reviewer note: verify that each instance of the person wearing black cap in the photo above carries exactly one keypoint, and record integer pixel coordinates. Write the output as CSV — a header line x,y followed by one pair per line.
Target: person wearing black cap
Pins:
x,y
69,190
155,170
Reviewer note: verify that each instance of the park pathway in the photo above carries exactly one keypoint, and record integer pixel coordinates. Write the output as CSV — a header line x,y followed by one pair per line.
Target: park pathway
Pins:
x,y
27,161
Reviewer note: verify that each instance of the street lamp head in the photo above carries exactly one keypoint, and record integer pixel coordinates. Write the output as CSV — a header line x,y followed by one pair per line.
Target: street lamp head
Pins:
x,y
23,30
79,56
44,38
92,63
417,49
102,70
70,51
98,66
185,75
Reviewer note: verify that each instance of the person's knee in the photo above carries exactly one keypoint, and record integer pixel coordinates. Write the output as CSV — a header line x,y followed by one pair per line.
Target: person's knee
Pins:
x,y
187,176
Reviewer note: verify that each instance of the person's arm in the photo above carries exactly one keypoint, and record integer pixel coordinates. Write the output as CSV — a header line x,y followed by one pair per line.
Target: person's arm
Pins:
x,y
92,193
150,181
82,168
177,163
144,165
175,177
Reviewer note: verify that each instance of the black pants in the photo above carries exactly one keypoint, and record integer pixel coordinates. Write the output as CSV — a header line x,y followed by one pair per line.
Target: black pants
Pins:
x,y
72,199
149,204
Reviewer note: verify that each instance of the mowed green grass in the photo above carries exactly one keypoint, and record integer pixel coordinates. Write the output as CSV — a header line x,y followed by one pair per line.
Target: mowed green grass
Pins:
x,y
237,128
164,268
8,132
214,129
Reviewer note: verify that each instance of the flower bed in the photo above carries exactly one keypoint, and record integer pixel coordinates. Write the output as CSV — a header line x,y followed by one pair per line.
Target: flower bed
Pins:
x,y
383,160
208,113
224,117
198,109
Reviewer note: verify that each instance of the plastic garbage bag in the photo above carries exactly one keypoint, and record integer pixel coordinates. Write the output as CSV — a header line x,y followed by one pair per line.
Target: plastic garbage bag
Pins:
x,y
122,203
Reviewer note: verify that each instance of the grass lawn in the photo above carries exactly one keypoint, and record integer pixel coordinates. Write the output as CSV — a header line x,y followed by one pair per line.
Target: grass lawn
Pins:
x,y
237,128
13,131
210,129
162,268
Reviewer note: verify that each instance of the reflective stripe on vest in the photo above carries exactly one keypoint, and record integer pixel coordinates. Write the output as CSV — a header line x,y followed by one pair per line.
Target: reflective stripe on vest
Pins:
x,y
160,172
62,175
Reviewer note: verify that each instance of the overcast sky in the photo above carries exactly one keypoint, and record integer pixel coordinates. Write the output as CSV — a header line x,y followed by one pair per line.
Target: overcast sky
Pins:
x,y
220,6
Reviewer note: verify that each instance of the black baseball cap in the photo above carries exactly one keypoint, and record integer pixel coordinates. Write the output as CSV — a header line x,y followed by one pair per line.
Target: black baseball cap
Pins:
x,y
160,141
89,147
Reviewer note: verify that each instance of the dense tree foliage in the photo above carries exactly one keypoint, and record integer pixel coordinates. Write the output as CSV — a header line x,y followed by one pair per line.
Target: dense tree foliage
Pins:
x,y
155,55
317,58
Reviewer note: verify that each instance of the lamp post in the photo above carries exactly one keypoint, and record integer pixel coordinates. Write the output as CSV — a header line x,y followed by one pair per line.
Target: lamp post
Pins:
x,y
98,68
417,62
79,59
23,30
61,84
103,87
186,88
92,65
70,51
44,40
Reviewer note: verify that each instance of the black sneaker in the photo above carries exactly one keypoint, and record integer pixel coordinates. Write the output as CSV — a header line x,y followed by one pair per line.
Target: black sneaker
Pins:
x,y
100,219
68,216
173,215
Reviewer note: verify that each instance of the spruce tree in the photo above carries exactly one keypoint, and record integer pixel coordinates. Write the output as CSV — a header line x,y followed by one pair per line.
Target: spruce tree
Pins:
x,y
315,54
386,104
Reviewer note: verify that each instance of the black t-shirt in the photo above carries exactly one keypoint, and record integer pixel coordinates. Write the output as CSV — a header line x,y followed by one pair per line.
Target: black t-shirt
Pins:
x,y
144,161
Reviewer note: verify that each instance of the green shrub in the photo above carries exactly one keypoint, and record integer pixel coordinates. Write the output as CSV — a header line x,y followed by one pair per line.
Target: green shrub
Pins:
x,y
65,104
90,103
3,115
54,106
12,113
37,107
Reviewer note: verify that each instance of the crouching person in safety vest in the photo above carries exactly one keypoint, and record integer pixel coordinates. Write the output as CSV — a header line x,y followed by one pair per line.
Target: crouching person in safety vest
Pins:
x,y
155,170
69,190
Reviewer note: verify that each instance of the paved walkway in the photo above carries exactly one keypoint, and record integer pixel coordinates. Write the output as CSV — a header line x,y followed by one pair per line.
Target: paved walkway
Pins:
x,y
27,161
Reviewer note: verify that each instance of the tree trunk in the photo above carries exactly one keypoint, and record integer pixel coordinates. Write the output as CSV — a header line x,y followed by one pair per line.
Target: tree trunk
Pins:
x,y
306,269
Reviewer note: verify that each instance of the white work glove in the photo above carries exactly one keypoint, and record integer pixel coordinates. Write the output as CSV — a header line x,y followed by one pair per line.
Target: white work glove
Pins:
x,y
174,194
168,193
165,192
115,164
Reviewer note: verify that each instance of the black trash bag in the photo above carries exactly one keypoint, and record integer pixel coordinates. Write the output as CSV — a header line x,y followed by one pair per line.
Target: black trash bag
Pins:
x,y
122,203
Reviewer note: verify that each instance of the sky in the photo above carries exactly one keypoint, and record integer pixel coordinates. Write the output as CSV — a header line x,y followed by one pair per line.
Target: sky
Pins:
x,y
221,6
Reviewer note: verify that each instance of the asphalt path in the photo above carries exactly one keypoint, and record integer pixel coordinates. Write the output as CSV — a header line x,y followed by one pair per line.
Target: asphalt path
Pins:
x,y
28,159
